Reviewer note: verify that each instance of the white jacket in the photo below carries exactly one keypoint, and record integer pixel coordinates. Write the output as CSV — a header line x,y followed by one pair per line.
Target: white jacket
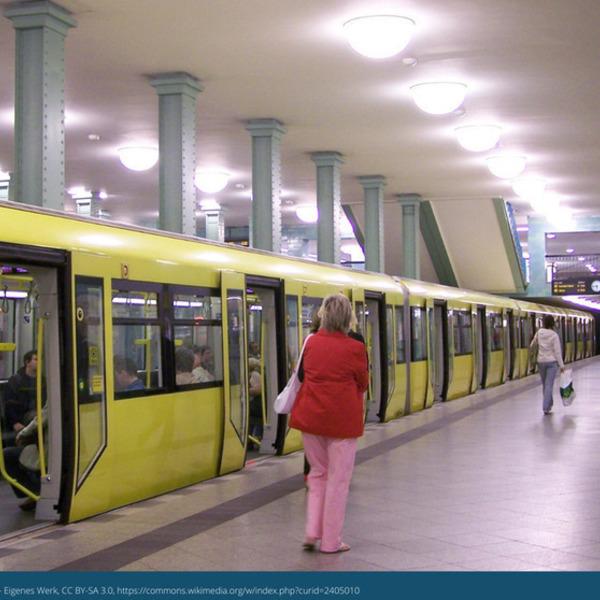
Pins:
x,y
548,344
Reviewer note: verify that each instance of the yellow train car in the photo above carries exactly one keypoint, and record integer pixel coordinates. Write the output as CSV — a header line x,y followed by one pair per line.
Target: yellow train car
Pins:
x,y
144,341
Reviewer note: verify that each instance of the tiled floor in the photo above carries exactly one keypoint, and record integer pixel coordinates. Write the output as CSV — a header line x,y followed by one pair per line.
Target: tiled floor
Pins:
x,y
484,483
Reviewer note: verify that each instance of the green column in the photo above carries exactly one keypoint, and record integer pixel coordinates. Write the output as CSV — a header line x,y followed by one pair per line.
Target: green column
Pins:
x,y
177,94
265,227
411,227
329,202
374,235
41,29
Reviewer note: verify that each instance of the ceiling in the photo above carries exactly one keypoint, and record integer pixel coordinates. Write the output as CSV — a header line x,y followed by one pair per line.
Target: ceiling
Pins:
x,y
530,66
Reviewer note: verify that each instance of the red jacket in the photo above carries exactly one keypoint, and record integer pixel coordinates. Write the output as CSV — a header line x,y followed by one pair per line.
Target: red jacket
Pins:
x,y
330,401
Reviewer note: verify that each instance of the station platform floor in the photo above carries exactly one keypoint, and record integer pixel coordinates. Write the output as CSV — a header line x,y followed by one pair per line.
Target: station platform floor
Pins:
x,y
483,483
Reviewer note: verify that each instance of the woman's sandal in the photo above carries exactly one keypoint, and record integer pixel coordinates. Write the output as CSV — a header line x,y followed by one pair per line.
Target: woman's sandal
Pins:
x,y
309,545
342,548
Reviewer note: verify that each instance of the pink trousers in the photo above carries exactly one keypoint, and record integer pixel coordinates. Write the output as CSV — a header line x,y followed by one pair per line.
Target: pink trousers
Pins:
x,y
331,464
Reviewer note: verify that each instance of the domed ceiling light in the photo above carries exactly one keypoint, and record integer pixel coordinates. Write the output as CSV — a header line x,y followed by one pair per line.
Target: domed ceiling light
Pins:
x,y
529,187
561,217
379,36
308,214
138,158
545,204
211,182
506,166
478,138
439,97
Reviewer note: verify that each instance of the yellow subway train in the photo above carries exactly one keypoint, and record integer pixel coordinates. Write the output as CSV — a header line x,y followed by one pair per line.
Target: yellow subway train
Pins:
x,y
146,343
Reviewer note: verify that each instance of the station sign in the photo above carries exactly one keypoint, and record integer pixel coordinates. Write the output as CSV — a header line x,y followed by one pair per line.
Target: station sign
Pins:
x,y
576,286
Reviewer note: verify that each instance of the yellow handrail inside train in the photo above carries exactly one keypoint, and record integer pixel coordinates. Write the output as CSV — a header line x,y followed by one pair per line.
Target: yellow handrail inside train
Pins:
x,y
38,383
148,351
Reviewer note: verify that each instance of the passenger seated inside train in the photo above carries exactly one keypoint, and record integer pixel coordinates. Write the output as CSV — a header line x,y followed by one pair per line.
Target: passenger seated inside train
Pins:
x,y
255,393
126,375
22,462
203,364
184,364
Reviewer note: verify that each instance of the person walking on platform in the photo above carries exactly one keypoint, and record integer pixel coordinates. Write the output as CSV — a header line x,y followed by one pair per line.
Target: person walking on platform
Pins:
x,y
329,413
549,359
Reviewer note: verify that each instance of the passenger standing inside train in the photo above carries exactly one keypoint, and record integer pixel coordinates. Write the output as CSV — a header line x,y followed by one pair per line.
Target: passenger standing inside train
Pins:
x,y
202,364
549,359
329,413
184,363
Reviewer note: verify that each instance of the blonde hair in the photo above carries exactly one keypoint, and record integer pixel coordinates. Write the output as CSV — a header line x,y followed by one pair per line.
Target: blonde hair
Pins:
x,y
336,313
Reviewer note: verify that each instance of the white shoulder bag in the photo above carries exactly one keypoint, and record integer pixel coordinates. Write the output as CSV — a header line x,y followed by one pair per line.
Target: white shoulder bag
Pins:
x,y
287,397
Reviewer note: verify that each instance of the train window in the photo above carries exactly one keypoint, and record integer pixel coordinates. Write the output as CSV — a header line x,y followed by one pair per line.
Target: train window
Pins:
x,y
418,329
389,317
360,317
310,309
400,345
91,398
496,329
291,333
198,339
137,347
525,337
238,378
570,330
463,333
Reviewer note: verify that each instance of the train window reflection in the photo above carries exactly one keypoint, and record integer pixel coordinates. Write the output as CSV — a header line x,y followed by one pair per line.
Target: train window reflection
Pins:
x,y
134,304
237,365
389,317
463,333
400,345
418,333
496,329
198,330
137,340
291,332
91,398
200,307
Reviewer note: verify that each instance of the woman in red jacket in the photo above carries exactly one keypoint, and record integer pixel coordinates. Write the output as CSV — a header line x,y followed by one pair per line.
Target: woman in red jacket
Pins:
x,y
329,412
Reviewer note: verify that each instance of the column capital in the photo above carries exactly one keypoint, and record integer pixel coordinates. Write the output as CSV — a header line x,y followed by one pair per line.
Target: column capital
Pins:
x,y
215,211
409,198
328,158
265,128
176,83
372,181
28,15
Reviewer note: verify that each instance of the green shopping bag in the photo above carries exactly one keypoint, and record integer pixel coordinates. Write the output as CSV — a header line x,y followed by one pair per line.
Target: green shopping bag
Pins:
x,y
567,391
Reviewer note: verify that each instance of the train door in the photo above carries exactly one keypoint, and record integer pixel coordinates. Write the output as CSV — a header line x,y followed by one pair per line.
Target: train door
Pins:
x,y
297,316
481,347
439,365
375,343
31,318
265,343
475,343
509,344
235,369
561,329
358,304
